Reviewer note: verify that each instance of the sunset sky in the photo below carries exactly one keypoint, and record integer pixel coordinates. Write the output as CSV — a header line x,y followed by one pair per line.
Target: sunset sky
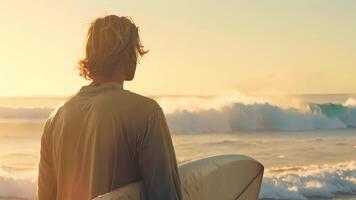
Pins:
x,y
200,47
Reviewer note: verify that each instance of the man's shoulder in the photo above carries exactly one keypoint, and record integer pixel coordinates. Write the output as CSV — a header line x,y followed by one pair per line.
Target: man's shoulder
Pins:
x,y
51,119
132,101
142,99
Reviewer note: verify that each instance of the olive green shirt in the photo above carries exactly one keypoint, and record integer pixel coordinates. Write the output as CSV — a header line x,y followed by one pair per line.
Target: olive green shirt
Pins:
x,y
105,137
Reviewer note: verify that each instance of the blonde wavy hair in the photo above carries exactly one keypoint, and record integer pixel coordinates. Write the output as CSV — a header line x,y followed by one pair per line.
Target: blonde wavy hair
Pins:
x,y
112,42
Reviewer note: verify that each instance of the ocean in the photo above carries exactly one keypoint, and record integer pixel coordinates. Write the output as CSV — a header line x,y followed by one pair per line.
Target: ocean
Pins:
x,y
307,143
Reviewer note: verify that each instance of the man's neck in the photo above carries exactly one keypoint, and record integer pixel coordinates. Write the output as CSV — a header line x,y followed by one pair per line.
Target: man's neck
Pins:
x,y
106,81
99,80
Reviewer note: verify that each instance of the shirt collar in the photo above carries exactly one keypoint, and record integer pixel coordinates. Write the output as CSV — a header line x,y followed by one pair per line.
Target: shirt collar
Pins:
x,y
97,87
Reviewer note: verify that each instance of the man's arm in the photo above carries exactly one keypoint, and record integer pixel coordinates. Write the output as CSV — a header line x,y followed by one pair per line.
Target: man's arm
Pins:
x,y
46,189
157,160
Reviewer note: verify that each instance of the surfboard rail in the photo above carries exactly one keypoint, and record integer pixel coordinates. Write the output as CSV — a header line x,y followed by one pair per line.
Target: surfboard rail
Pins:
x,y
219,177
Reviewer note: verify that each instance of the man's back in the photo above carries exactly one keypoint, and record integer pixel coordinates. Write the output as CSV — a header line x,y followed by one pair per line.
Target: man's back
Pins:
x,y
105,137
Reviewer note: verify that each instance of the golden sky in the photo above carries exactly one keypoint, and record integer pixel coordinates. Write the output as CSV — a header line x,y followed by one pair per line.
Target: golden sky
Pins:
x,y
200,47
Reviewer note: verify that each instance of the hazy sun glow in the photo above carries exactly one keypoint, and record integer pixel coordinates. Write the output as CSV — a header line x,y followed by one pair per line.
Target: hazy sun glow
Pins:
x,y
197,47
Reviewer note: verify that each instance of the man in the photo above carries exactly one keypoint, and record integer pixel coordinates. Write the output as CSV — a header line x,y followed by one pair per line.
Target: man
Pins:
x,y
105,137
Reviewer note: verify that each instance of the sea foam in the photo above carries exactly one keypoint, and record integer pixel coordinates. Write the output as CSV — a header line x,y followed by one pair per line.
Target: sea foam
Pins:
x,y
16,186
299,183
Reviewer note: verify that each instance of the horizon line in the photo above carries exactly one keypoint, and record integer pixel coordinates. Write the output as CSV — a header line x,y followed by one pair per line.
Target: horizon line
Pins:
x,y
186,95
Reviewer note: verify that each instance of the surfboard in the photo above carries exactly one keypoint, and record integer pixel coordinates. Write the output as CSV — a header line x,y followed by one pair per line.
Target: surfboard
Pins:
x,y
222,177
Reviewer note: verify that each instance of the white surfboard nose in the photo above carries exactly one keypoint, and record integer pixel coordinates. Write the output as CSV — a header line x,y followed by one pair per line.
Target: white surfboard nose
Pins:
x,y
221,177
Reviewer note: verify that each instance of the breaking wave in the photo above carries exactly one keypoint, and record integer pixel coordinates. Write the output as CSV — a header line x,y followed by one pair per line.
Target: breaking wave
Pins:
x,y
194,114
24,114
259,117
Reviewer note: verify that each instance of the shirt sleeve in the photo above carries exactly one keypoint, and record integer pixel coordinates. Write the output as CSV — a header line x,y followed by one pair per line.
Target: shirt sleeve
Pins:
x,y
46,180
157,160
